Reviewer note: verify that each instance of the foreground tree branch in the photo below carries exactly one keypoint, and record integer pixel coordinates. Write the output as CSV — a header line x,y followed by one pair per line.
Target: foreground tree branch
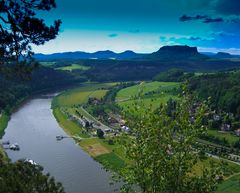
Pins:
x,y
20,28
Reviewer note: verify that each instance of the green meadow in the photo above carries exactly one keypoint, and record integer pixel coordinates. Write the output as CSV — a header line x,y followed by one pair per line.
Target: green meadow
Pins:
x,y
231,185
151,93
80,95
74,67
228,136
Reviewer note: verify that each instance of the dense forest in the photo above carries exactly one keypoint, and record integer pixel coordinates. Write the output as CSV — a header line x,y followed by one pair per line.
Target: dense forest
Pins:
x,y
173,75
223,88
14,90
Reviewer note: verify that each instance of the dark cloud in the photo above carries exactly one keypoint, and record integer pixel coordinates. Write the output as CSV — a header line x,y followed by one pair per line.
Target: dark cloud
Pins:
x,y
189,18
228,7
112,35
213,20
202,18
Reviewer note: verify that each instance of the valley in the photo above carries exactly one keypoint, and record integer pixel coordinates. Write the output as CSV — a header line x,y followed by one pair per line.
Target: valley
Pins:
x,y
87,103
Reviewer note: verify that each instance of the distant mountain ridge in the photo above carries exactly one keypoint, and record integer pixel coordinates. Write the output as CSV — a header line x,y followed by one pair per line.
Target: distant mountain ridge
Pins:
x,y
221,55
165,53
107,54
177,53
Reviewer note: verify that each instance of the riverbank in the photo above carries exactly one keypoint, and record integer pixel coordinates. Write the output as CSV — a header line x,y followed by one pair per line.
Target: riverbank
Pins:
x,y
68,105
34,128
108,151
4,118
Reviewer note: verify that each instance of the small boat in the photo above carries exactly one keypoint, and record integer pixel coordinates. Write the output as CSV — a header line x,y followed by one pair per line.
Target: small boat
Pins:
x,y
30,161
59,137
6,143
14,147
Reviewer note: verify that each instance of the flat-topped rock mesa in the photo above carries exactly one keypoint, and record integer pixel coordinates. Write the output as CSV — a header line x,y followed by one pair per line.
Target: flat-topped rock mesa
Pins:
x,y
177,52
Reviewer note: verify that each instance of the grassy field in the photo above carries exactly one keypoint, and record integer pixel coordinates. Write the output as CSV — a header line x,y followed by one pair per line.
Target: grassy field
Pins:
x,y
70,127
229,137
231,185
111,160
132,91
229,167
153,93
47,63
80,95
111,156
74,67
4,118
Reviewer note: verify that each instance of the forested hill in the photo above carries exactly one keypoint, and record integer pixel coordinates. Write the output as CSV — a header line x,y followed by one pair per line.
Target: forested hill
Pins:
x,y
42,79
131,66
223,88
86,55
177,53
113,70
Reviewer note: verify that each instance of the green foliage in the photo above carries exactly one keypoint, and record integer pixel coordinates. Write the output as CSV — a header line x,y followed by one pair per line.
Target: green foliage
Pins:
x,y
100,133
173,75
21,177
13,91
20,28
111,161
223,88
4,118
231,185
161,151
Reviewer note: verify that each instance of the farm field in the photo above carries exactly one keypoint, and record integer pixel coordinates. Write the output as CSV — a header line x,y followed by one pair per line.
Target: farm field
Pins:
x,y
80,95
111,156
74,67
152,93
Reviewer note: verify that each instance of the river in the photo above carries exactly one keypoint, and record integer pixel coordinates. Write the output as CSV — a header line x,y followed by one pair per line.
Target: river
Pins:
x,y
34,128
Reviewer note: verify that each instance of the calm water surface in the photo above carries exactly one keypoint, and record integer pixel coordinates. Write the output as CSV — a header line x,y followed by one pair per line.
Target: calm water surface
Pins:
x,y
34,128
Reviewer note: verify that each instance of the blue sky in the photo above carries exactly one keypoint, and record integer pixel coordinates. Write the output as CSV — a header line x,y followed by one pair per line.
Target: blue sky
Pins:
x,y
144,25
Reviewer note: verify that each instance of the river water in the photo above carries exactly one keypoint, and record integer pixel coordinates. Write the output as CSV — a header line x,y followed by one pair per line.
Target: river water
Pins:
x,y
34,128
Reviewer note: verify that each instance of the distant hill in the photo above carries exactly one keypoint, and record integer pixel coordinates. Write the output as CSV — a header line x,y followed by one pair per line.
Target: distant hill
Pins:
x,y
177,53
221,55
85,55
129,66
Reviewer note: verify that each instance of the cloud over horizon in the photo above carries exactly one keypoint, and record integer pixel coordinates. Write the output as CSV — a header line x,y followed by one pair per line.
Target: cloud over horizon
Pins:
x,y
137,25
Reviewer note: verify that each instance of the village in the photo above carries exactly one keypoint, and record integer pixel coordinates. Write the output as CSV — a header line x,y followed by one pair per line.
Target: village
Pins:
x,y
109,123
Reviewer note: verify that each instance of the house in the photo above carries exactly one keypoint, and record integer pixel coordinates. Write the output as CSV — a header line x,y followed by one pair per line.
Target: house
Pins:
x,y
108,130
216,117
225,127
125,129
112,120
237,132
